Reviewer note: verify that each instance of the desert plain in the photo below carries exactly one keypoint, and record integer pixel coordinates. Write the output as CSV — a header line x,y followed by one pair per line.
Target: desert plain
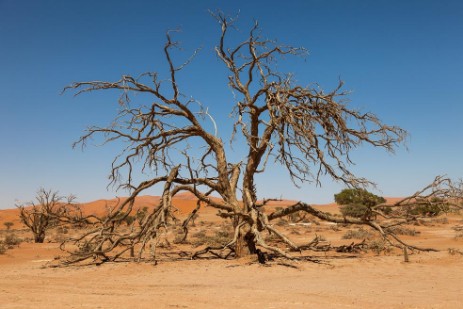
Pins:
x,y
364,279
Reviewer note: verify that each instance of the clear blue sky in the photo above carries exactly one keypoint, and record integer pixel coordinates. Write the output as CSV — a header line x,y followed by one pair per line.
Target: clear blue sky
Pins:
x,y
403,60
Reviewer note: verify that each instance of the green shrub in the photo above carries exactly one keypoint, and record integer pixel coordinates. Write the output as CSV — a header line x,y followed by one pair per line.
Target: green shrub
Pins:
x,y
356,211
357,203
358,196
425,210
387,210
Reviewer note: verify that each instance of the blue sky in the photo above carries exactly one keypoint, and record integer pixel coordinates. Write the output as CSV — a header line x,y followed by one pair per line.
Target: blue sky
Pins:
x,y
403,60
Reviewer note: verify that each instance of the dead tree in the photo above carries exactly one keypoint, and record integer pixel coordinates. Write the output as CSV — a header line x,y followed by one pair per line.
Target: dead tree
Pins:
x,y
309,131
42,214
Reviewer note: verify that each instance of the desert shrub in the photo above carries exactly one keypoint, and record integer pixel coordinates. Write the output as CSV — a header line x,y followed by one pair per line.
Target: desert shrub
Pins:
x,y
431,208
454,251
378,246
459,235
359,197
402,230
178,239
298,216
2,248
219,238
200,234
62,230
12,240
8,225
86,248
129,220
141,214
387,210
222,233
357,234
355,210
61,234
357,203
443,220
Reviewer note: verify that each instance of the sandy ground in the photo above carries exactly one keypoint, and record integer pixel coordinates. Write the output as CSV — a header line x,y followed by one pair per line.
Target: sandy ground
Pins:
x,y
429,280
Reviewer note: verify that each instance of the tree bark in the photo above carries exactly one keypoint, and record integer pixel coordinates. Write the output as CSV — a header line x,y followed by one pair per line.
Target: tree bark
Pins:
x,y
245,245
39,238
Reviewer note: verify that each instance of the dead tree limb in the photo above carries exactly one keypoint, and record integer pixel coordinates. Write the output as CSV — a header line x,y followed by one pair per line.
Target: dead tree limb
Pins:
x,y
307,130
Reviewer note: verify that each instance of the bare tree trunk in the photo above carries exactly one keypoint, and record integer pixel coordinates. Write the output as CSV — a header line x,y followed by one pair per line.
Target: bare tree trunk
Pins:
x,y
39,237
245,245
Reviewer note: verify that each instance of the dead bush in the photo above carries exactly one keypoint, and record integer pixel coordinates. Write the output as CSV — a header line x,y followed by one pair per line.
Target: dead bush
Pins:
x,y
219,238
357,234
378,246
402,230
454,251
2,248
12,240
442,220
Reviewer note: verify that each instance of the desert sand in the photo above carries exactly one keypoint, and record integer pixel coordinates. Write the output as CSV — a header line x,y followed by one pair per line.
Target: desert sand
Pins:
x,y
363,280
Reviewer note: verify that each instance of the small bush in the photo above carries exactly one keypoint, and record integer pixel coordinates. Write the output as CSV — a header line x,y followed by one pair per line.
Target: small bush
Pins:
x,y
86,248
359,197
356,211
401,230
62,230
428,209
2,248
357,203
12,240
387,210
199,234
453,251
378,246
8,225
357,234
179,238
443,220
220,238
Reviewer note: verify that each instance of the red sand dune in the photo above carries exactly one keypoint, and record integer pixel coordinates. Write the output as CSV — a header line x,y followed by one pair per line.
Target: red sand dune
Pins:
x,y
184,202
